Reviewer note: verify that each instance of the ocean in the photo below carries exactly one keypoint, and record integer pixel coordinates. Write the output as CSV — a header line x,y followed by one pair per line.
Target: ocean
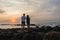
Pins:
x,y
12,26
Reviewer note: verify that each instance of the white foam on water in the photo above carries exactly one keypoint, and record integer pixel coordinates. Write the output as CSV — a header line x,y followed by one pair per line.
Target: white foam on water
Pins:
x,y
11,26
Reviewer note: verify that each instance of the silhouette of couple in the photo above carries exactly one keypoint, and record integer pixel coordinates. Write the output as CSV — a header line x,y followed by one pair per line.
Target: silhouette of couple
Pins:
x,y
25,19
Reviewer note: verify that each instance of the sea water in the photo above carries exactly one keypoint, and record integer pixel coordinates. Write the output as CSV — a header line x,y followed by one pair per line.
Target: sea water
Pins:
x,y
12,26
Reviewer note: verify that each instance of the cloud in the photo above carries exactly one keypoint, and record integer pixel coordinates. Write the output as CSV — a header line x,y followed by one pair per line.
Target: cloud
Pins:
x,y
2,11
49,10
43,10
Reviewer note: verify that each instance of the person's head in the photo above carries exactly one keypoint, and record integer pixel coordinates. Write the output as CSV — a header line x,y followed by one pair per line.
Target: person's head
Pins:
x,y
23,14
27,15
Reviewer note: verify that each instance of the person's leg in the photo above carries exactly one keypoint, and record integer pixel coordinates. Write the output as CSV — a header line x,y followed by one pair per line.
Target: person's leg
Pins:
x,y
28,28
28,25
23,25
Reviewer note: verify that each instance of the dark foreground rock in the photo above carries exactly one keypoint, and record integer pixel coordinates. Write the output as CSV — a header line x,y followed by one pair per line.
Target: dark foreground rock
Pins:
x,y
33,34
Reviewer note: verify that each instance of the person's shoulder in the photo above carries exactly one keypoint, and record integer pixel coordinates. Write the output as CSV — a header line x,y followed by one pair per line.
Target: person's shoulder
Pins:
x,y
23,16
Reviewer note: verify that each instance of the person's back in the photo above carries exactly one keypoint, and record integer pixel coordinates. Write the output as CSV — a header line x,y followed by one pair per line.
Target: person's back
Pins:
x,y
28,22
23,18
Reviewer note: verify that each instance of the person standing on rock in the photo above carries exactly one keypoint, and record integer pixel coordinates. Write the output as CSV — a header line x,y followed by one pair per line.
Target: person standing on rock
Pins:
x,y
23,18
28,21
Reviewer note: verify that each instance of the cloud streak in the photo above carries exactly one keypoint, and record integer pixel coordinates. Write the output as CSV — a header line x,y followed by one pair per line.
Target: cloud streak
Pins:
x,y
2,11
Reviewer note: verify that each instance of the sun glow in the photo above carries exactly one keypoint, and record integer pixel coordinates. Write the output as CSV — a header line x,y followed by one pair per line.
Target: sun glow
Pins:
x,y
13,20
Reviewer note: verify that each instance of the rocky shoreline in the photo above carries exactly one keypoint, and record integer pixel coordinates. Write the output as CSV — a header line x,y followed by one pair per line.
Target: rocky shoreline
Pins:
x,y
43,33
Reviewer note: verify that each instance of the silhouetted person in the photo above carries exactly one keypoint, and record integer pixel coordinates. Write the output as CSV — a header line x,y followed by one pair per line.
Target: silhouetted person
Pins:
x,y
28,22
23,18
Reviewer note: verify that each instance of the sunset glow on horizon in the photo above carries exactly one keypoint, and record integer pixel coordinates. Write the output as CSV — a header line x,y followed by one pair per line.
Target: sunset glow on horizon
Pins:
x,y
13,20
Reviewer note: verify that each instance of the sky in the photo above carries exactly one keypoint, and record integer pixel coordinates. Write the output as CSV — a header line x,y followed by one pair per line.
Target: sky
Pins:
x,y
40,11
